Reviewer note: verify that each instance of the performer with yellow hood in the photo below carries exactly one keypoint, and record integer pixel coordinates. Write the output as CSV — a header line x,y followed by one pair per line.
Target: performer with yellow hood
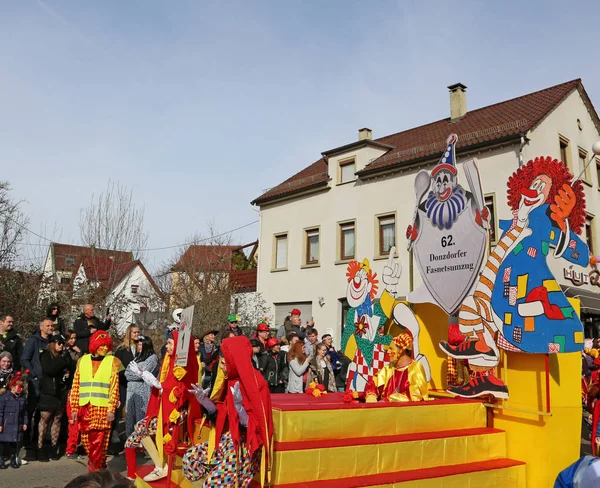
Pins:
x,y
167,411
403,379
94,398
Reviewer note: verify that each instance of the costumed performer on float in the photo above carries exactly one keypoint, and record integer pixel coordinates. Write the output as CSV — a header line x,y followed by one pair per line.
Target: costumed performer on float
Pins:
x,y
167,411
240,441
95,397
403,379
517,297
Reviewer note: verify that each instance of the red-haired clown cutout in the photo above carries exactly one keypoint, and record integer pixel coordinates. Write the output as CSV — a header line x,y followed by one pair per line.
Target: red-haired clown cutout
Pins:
x,y
516,297
363,340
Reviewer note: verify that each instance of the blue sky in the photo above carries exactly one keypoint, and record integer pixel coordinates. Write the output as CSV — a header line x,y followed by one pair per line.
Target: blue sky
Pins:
x,y
200,106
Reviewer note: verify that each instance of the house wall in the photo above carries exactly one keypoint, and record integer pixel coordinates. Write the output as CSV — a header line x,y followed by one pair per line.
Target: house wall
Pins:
x,y
364,200
123,303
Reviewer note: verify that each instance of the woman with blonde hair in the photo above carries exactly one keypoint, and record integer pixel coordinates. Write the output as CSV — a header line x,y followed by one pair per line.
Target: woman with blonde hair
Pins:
x,y
298,363
320,369
125,353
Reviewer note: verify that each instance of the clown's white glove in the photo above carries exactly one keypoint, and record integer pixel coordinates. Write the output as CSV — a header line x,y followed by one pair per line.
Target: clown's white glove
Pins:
x,y
238,402
391,274
135,368
151,380
202,397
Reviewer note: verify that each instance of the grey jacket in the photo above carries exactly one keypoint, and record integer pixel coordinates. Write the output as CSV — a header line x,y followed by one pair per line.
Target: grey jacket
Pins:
x,y
295,379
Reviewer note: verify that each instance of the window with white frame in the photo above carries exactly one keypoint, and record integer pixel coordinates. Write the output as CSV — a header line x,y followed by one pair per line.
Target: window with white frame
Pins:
x,y
386,233
347,170
281,244
134,289
347,240
312,246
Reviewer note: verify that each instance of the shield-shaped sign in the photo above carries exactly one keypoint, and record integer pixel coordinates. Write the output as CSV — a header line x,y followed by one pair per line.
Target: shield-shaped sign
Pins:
x,y
448,260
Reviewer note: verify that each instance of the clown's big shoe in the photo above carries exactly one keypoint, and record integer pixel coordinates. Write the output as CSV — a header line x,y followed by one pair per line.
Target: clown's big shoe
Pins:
x,y
325,443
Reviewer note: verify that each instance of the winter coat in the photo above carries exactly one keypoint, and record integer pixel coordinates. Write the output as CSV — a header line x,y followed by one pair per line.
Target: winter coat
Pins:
x,y
317,373
31,355
13,415
208,358
11,342
53,394
276,371
260,361
296,369
288,327
82,329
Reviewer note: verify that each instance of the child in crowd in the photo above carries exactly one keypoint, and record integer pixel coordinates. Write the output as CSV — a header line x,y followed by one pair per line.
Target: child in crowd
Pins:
x,y
13,417
6,367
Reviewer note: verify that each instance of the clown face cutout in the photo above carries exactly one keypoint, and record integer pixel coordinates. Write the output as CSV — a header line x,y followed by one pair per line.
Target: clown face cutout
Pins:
x,y
360,283
442,184
534,196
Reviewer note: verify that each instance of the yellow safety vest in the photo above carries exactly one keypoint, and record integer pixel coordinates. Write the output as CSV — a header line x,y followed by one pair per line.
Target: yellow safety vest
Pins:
x,y
94,389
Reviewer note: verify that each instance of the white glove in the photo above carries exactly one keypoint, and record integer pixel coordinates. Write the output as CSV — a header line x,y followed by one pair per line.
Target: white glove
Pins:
x,y
391,274
151,380
135,368
238,402
202,397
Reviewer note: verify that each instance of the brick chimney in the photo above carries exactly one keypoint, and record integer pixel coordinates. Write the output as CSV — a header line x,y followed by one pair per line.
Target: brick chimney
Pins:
x,y
458,101
365,133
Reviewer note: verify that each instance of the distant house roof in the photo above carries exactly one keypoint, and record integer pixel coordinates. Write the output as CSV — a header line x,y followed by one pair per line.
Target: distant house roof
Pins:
x,y
211,258
243,281
481,127
67,257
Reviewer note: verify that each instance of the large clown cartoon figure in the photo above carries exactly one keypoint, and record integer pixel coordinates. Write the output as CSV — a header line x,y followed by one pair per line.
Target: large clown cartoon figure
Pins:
x,y
448,235
517,304
361,338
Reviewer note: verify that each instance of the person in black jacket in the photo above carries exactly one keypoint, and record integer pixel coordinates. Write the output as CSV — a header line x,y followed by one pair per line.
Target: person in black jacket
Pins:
x,y
56,369
10,340
53,313
209,354
276,370
259,355
86,325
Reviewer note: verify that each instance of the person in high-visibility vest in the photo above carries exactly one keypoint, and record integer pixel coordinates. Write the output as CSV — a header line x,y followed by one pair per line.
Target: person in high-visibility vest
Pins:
x,y
95,397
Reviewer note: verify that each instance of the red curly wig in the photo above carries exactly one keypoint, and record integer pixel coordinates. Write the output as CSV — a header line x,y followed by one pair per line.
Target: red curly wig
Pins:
x,y
559,174
100,338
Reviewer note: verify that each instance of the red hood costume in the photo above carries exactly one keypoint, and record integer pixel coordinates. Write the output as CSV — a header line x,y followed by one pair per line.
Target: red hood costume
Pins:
x,y
167,404
237,352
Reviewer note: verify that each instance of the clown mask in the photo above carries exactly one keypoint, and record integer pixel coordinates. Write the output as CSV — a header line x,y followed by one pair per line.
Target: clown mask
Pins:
x,y
102,351
17,389
534,196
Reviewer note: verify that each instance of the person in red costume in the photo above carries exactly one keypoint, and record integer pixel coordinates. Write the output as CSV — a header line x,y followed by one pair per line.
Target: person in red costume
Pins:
x,y
95,397
167,411
240,410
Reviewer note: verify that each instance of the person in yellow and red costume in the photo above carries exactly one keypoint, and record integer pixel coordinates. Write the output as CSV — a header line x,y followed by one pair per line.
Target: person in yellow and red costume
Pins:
x,y
403,379
239,410
168,409
95,397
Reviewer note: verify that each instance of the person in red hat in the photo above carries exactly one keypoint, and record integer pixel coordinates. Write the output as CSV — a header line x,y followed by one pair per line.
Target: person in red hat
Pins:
x,y
243,428
262,334
94,398
277,370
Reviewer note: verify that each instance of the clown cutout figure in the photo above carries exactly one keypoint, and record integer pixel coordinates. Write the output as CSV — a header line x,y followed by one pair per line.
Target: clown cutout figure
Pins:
x,y
361,341
516,297
402,379
94,398
448,235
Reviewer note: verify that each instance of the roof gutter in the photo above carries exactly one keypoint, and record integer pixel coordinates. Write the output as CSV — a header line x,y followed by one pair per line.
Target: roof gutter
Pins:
x,y
367,173
291,193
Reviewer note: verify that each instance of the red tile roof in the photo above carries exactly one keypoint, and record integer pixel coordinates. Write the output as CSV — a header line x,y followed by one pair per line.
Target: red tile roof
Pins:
x,y
208,258
476,128
61,252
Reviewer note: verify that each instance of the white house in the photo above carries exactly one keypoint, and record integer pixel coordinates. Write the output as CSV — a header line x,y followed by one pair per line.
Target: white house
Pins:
x,y
357,200
111,279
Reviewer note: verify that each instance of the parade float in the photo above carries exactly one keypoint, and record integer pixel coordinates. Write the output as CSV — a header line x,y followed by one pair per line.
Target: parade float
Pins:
x,y
471,380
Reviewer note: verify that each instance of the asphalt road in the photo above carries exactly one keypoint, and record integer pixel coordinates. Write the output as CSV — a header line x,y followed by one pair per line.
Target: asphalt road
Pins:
x,y
55,474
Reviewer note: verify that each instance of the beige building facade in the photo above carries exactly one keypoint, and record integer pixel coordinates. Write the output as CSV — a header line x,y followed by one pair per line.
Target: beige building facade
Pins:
x,y
358,199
